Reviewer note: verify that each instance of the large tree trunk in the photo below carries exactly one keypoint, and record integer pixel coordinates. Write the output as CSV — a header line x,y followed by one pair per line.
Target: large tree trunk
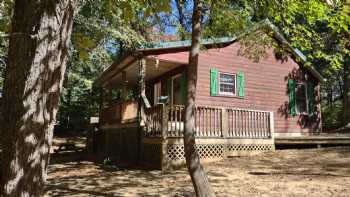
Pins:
x,y
199,178
37,59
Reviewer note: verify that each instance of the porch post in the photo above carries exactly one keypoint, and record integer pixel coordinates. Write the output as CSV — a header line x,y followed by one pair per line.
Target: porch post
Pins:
x,y
224,123
109,97
101,106
224,129
140,109
124,87
142,88
108,119
164,161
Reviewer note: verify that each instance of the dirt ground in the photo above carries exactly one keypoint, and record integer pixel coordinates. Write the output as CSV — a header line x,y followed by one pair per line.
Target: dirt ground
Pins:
x,y
304,172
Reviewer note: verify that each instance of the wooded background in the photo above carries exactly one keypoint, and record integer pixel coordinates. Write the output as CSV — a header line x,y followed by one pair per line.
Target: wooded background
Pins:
x,y
101,35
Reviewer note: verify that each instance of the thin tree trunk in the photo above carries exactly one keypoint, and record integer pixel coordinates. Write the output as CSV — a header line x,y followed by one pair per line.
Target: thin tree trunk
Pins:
x,y
198,176
37,59
179,6
346,92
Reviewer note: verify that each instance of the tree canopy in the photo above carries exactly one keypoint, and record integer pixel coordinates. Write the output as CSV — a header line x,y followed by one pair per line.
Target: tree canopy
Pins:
x,y
104,30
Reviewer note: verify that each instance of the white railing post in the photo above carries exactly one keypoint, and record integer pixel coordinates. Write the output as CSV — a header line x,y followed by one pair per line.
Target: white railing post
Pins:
x,y
272,129
224,123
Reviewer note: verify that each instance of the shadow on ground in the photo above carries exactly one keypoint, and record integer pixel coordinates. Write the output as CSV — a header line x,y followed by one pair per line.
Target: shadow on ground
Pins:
x,y
311,172
86,178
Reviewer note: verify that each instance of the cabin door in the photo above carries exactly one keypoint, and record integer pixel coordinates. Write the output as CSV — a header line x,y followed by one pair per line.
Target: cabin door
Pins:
x,y
157,93
176,92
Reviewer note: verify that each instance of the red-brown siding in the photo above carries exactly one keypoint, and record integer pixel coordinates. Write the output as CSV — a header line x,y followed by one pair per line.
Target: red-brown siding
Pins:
x,y
265,85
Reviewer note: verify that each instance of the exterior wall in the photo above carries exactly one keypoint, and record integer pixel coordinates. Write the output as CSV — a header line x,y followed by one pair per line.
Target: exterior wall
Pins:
x,y
266,85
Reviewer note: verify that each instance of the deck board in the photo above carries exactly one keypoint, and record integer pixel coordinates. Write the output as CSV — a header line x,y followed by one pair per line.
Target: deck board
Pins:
x,y
314,139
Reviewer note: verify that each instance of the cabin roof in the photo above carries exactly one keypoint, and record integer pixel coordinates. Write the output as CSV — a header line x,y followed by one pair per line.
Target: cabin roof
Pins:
x,y
184,43
265,24
164,47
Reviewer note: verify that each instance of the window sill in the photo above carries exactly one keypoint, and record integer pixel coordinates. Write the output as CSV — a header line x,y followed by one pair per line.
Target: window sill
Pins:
x,y
228,96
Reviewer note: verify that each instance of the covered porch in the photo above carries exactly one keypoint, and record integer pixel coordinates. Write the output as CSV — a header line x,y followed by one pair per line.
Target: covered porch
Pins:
x,y
137,84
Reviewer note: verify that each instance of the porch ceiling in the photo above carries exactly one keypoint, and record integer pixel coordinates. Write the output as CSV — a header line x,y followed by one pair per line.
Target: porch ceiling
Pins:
x,y
152,71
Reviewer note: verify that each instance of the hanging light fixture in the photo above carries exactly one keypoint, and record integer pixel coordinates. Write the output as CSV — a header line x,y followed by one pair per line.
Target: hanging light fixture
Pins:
x,y
156,64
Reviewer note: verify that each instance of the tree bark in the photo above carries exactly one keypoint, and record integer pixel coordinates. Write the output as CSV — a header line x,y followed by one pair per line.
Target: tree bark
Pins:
x,y
179,6
346,92
37,57
198,176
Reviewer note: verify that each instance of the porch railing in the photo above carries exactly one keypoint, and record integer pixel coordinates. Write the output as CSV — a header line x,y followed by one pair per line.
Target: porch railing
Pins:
x,y
214,122
248,123
208,121
153,124
176,121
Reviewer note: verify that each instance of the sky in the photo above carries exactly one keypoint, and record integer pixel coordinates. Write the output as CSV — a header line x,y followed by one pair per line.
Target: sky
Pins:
x,y
169,30
174,12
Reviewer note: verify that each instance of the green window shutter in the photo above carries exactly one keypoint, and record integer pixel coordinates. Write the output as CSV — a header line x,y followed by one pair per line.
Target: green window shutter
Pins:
x,y
240,78
184,87
291,93
311,97
213,81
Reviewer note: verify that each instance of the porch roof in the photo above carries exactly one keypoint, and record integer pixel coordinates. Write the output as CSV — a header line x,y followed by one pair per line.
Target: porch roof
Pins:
x,y
150,49
155,66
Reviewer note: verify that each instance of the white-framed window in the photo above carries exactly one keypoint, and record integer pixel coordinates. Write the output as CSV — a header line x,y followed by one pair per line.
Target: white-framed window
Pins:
x,y
301,101
227,84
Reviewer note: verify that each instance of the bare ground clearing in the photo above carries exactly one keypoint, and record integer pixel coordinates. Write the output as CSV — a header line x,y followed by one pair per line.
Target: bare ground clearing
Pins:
x,y
304,172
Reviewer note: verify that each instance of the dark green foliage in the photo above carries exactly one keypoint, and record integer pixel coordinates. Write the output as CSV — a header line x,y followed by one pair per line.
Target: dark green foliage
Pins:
x,y
103,32
331,114
79,100
321,32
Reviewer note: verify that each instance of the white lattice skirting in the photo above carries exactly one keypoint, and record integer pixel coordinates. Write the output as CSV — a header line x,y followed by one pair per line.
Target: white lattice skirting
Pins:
x,y
176,152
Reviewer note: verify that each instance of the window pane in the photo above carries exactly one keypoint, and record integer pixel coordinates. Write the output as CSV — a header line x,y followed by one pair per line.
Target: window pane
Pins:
x,y
227,83
226,88
226,78
301,101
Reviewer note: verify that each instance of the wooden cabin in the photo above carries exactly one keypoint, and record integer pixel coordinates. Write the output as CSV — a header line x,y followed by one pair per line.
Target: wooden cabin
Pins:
x,y
241,105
